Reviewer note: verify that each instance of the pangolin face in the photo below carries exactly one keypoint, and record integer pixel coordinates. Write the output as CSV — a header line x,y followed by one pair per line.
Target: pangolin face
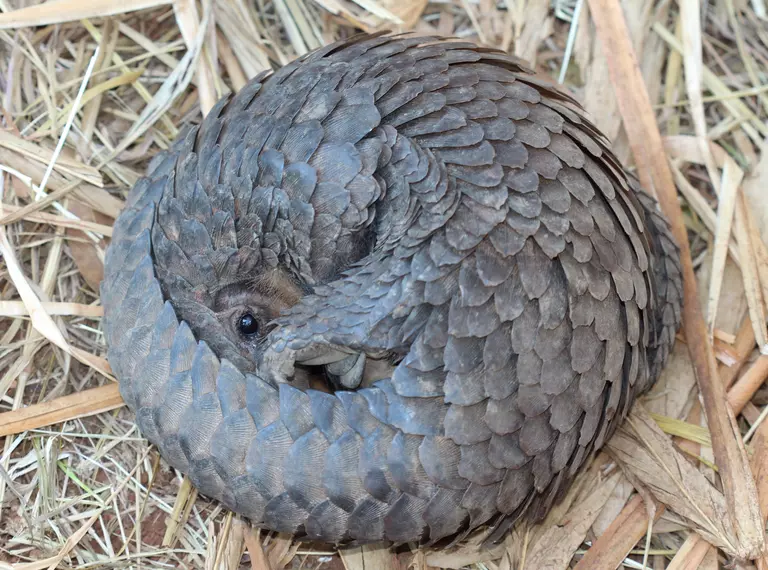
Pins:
x,y
245,310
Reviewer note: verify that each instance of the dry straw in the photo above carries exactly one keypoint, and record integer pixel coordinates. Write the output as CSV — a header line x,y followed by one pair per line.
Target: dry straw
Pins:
x,y
91,89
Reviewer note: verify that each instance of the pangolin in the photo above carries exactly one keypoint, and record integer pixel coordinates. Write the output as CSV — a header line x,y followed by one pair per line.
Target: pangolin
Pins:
x,y
421,203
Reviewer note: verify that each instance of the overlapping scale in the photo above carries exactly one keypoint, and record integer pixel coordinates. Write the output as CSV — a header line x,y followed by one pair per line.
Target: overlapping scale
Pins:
x,y
446,211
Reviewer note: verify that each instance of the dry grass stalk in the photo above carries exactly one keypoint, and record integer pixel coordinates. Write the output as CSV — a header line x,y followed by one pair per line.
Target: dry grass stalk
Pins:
x,y
65,165
755,275
743,346
53,562
56,479
745,117
172,87
690,21
182,507
727,200
237,22
57,220
701,207
19,309
90,95
59,11
746,386
88,194
192,31
66,408
41,320
750,273
759,465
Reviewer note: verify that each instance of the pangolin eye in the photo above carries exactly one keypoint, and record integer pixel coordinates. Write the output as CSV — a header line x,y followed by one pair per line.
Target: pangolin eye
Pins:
x,y
248,325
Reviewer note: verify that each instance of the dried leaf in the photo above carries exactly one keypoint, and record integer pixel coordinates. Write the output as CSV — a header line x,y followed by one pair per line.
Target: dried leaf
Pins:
x,y
459,557
370,556
669,396
648,454
88,256
555,549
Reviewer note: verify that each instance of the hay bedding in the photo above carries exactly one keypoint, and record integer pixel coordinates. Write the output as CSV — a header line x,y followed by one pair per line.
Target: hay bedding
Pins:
x,y
80,488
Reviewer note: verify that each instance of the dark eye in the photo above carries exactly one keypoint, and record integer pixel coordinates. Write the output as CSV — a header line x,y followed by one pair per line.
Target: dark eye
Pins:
x,y
248,325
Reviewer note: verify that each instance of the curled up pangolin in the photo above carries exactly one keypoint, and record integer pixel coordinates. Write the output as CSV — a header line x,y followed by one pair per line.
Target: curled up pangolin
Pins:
x,y
425,206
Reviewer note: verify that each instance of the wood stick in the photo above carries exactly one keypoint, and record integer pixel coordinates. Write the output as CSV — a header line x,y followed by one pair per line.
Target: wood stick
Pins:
x,y
77,405
620,537
691,553
746,386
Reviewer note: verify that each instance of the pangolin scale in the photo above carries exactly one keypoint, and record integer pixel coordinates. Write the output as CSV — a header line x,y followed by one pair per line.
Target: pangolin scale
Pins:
x,y
422,203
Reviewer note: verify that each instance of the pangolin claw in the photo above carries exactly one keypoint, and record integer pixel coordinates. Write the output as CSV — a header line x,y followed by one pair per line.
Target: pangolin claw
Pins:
x,y
348,372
